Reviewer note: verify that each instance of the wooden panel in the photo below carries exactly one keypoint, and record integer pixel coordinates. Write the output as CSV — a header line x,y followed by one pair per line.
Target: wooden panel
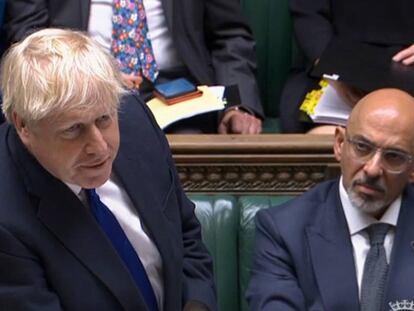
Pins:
x,y
254,164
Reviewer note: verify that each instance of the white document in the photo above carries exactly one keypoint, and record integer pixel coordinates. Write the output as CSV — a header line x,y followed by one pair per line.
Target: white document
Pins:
x,y
167,114
331,108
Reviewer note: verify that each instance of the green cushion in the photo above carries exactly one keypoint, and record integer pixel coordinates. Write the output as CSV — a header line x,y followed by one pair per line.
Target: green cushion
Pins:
x,y
249,206
272,29
271,125
219,217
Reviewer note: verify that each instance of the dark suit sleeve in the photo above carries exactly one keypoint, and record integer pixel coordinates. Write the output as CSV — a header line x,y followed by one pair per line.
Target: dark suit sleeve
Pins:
x,y
312,25
22,282
232,50
23,16
273,284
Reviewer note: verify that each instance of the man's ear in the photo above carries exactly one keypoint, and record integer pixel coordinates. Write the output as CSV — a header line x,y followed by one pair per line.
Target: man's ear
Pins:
x,y
339,142
21,128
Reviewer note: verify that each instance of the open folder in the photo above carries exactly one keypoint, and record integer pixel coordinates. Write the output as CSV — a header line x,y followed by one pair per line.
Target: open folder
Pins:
x,y
167,114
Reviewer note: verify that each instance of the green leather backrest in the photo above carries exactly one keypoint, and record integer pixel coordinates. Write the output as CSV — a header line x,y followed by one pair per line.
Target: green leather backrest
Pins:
x,y
219,216
228,231
271,25
248,207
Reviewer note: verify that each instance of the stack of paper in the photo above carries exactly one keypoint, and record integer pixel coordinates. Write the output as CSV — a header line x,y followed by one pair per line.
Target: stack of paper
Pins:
x,y
167,114
331,108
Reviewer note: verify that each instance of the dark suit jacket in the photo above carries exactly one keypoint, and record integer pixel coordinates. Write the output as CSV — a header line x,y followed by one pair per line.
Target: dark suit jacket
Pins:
x,y
211,36
382,23
53,254
304,257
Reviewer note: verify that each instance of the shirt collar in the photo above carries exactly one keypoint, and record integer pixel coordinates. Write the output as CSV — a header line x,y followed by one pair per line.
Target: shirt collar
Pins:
x,y
358,220
75,188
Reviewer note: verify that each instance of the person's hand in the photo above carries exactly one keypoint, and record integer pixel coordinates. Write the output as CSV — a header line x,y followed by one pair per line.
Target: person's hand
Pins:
x,y
405,56
239,122
348,93
131,81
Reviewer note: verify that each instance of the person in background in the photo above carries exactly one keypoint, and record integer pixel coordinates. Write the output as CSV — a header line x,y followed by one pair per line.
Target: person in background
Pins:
x,y
315,23
347,244
93,216
207,42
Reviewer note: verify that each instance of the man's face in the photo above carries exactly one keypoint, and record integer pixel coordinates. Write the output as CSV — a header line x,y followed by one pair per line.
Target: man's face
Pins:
x,y
370,186
75,146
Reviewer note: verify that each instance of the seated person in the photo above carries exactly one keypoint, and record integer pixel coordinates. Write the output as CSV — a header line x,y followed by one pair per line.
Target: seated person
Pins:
x,y
207,42
92,214
389,25
346,244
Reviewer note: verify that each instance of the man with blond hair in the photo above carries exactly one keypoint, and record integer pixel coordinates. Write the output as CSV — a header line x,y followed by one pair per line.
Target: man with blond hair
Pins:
x,y
92,214
347,244
206,41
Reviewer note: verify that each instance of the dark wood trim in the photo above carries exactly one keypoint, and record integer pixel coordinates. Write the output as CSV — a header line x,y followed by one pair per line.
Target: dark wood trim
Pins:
x,y
253,164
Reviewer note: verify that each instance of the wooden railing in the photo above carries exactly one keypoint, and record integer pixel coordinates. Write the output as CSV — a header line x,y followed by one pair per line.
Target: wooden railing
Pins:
x,y
262,164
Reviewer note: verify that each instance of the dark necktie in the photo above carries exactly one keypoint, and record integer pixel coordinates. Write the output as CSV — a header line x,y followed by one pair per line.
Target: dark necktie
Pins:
x,y
119,240
131,46
375,269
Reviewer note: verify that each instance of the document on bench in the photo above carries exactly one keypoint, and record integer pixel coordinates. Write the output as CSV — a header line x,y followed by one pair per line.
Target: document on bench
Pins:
x,y
164,114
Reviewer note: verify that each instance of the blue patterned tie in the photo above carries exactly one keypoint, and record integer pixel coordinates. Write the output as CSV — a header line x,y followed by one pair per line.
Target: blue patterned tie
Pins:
x,y
131,46
119,240
375,269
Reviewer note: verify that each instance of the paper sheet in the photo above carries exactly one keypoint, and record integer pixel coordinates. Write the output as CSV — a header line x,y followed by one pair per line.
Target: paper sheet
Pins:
x,y
168,114
331,108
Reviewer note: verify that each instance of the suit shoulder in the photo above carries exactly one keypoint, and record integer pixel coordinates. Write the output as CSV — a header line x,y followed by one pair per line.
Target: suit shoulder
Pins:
x,y
302,208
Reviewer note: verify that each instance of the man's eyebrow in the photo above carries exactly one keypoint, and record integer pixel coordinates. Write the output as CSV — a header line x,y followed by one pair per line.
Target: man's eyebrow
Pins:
x,y
362,137
390,148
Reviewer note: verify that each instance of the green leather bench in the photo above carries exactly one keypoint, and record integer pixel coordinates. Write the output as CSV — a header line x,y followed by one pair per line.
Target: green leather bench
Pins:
x,y
275,48
228,231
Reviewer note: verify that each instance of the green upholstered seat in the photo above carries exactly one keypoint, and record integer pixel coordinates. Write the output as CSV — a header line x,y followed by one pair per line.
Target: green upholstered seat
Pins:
x,y
228,231
272,29
219,218
248,207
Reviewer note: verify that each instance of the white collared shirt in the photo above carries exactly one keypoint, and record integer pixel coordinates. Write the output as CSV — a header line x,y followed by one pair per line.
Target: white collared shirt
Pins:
x,y
358,221
118,201
100,29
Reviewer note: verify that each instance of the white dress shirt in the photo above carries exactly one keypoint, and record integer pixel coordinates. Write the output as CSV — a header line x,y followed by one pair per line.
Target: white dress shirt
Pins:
x,y
358,221
100,28
118,201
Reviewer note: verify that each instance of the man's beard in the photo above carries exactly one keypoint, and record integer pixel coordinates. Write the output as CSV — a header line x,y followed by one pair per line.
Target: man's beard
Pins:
x,y
366,203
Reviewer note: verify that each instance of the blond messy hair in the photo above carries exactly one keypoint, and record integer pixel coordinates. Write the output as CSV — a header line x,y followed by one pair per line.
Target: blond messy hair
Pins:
x,y
55,70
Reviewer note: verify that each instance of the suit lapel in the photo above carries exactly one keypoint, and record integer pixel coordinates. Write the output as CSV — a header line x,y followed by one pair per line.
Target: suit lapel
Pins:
x,y
401,270
149,198
71,223
332,256
168,12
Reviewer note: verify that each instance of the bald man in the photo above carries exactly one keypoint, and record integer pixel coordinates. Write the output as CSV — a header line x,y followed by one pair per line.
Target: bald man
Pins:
x,y
347,244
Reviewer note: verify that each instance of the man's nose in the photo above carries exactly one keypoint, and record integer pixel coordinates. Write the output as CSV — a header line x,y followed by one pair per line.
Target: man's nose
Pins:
x,y
373,166
96,143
